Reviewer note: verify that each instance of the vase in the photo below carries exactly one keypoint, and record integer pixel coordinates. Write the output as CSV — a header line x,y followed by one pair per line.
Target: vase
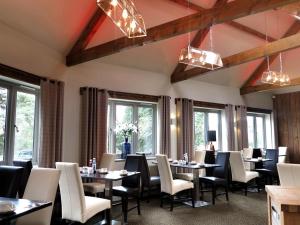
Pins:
x,y
126,149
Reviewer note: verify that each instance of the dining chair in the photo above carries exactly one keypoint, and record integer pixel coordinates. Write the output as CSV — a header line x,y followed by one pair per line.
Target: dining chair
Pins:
x,y
75,205
148,182
238,172
199,158
168,185
27,166
257,153
269,169
10,177
98,188
41,186
289,174
282,157
220,175
247,154
131,186
209,159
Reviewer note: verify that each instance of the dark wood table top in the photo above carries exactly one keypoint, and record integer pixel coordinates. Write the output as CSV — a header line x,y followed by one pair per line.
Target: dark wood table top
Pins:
x,y
23,207
110,176
256,160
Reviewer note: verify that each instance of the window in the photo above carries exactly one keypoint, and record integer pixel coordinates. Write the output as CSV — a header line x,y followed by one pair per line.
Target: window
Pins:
x,y
204,120
256,130
18,122
143,115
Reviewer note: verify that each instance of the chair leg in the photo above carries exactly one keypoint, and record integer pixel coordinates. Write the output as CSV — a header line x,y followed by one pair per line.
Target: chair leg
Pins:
x,y
193,200
213,194
107,217
246,189
172,202
125,209
161,199
138,205
148,194
226,191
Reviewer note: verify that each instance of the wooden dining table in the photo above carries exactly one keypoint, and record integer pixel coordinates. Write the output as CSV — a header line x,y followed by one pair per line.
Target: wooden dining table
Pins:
x,y
22,207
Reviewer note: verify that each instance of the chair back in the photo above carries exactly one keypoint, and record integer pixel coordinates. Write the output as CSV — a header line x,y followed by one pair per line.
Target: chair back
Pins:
x,y
166,178
210,159
27,166
10,177
273,155
107,161
248,153
200,156
238,172
41,186
145,172
257,153
71,191
223,160
133,163
289,174
282,158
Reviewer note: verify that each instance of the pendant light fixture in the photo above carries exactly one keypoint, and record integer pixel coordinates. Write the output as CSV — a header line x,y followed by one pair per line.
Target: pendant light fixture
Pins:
x,y
125,16
200,58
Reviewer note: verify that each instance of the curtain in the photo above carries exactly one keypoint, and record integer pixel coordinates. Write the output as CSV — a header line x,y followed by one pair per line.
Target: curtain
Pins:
x,y
164,124
51,122
230,127
185,124
241,127
94,106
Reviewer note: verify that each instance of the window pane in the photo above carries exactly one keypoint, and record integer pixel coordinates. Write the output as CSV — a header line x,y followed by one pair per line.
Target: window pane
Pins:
x,y
24,126
259,132
250,124
213,124
145,129
124,115
3,106
199,130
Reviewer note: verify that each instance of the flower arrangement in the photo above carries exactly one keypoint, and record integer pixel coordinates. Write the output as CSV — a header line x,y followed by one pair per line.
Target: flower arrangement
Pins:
x,y
126,129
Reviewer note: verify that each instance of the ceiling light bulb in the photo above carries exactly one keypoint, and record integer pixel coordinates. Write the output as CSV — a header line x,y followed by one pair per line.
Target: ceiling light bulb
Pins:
x,y
109,13
114,3
125,14
119,23
132,25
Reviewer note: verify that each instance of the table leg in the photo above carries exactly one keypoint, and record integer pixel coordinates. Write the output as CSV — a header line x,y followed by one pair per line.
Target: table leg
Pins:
x,y
110,196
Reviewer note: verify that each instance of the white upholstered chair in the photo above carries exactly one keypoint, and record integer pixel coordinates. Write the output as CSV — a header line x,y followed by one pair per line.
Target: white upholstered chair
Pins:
x,y
282,156
168,185
41,186
247,153
76,206
289,174
199,158
238,171
107,161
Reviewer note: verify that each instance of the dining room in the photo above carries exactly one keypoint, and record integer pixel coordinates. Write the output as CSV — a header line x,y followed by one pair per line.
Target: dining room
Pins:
x,y
149,112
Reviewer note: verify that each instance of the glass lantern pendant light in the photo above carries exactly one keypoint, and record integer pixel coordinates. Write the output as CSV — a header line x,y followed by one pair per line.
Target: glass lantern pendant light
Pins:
x,y
124,15
201,58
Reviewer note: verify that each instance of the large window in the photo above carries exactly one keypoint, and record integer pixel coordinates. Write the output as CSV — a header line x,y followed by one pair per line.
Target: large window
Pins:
x,y
256,130
18,122
143,115
204,120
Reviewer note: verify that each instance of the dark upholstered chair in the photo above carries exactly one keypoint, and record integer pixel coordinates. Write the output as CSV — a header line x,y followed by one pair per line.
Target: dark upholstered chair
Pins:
x,y
209,159
131,186
27,165
257,153
220,175
269,169
148,182
10,177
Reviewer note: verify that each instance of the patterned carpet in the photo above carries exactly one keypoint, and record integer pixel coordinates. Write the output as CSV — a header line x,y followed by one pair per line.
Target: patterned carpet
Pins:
x,y
240,210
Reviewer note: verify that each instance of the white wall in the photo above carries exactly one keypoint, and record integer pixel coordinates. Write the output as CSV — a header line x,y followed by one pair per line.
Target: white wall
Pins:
x,y
24,53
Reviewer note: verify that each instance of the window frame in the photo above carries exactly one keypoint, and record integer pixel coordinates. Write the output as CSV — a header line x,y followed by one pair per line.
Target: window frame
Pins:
x,y
111,137
206,111
9,137
258,115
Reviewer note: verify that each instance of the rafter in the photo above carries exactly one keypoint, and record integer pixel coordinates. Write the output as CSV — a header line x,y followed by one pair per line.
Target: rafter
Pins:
x,y
274,47
294,28
88,32
197,21
267,87
199,37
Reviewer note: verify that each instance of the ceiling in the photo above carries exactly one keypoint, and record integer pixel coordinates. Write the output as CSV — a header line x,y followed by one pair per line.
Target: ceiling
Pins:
x,y
58,24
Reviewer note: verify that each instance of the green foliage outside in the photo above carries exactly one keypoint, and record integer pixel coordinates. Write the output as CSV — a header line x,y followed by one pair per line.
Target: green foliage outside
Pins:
x,y
3,100
199,136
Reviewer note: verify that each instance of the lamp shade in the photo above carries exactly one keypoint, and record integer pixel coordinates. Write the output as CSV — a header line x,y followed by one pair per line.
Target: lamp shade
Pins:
x,y
211,135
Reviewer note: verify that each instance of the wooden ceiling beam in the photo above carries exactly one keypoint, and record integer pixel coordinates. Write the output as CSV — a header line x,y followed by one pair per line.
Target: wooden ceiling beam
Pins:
x,y
294,29
88,32
199,37
274,47
200,20
267,87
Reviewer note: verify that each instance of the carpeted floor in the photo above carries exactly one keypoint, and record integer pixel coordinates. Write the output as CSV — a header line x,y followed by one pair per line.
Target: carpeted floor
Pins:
x,y
240,210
